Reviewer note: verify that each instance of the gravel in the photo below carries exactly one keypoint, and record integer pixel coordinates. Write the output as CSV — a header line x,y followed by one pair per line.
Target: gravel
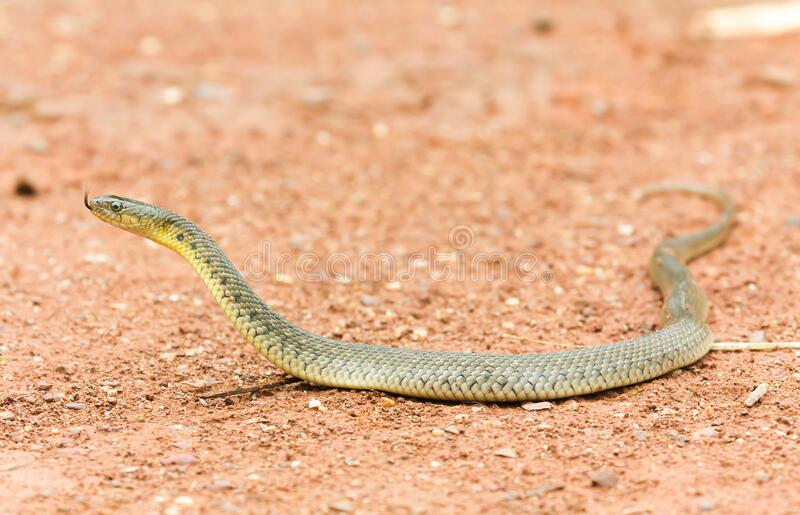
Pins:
x,y
75,405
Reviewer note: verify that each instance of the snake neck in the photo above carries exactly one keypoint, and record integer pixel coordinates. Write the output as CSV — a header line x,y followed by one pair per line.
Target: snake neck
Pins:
x,y
251,316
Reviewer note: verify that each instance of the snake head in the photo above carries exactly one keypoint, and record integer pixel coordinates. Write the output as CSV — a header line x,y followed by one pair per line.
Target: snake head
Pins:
x,y
133,216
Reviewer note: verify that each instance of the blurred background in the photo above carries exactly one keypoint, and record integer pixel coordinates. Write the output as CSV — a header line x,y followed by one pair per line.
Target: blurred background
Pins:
x,y
378,126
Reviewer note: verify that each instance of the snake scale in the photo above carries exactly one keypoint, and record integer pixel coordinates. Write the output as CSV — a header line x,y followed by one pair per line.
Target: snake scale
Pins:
x,y
683,338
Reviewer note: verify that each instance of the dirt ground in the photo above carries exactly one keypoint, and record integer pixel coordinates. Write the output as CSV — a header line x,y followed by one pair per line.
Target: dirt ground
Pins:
x,y
346,128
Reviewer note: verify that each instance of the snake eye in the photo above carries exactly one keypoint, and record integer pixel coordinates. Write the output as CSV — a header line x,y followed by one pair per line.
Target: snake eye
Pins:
x,y
116,206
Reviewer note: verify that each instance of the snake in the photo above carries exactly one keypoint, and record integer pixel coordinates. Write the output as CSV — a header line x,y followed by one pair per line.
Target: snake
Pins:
x,y
683,336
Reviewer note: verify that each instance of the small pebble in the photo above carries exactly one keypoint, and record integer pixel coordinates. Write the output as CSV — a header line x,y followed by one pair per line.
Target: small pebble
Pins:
x,y
284,279
542,25
541,490
179,459
369,300
512,301
506,452
449,17
67,370
323,138
184,500
705,505
762,477
452,430
205,90
39,146
757,337
777,76
380,130
172,95
150,46
298,240
603,479
600,108
7,415
625,230
25,188
220,484
315,404
75,405
52,396
706,432
228,507
386,401
97,258
350,462
316,97
342,506
756,395
537,406
792,221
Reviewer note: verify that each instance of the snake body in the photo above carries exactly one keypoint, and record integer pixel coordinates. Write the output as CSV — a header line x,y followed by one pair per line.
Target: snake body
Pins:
x,y
683,339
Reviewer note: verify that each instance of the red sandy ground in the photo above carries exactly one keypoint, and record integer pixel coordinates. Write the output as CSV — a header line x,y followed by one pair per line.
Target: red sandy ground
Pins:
x,y
355,127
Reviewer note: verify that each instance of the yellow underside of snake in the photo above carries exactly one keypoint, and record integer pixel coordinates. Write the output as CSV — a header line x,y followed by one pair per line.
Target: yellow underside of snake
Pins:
x,y
683,338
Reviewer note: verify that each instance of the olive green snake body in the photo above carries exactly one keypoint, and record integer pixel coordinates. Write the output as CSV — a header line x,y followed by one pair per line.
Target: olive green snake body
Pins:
x,y
683,339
